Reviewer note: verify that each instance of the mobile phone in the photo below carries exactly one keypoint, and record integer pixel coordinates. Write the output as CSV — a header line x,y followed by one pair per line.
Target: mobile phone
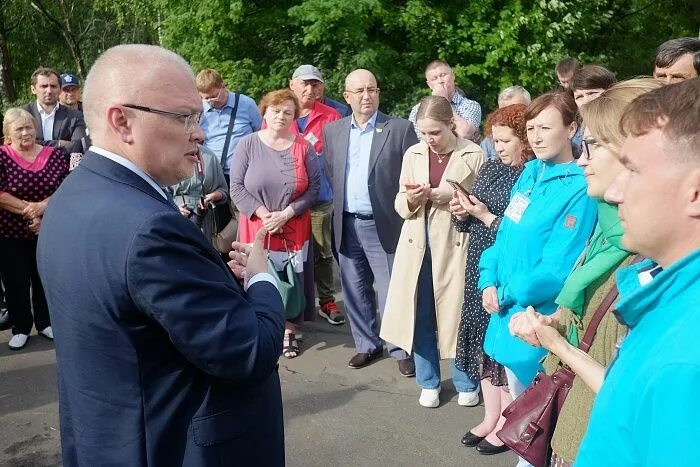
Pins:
x,y
455,184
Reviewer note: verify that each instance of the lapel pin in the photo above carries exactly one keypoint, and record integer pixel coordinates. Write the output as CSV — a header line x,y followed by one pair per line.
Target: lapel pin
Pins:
x,y
378,130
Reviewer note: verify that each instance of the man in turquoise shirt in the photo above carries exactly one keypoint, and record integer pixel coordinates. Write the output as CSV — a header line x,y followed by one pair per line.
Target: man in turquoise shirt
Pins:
x,y
218,103
645,413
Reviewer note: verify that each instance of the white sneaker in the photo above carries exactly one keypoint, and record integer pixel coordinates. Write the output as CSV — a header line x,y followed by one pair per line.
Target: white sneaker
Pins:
x,y
18,341
469,399
47,332
429,398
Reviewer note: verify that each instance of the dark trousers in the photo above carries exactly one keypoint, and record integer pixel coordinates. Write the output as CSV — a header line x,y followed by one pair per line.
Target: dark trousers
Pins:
x,y
23,289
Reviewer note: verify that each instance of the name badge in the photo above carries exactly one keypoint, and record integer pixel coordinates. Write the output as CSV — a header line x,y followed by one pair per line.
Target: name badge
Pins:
x,y
311,138
516,208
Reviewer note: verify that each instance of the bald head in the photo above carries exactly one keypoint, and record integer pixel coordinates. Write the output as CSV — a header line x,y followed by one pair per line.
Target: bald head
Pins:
x,y
362,94
116,78
146,114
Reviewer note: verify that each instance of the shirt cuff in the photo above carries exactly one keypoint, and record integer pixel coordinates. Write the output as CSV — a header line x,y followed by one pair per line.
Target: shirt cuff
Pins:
x,y
262,277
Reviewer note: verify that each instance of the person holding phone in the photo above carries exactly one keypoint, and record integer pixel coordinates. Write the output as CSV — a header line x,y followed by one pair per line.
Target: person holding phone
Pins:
x,y
424,298
479,214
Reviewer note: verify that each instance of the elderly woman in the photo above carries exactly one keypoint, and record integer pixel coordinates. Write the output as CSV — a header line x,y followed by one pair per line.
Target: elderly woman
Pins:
x,y
588,285
543,231
197,194
29,174
424,298
275,180
480,214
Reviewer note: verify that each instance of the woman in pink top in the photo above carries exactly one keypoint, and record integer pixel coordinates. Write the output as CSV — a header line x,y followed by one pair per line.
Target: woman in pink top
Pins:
x,y
29,174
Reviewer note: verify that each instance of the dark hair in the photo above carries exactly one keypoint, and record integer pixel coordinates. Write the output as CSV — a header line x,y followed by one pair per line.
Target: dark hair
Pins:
x,y
674,110
592,77
513,117
567,66
43,71
277,97
561,100
669,52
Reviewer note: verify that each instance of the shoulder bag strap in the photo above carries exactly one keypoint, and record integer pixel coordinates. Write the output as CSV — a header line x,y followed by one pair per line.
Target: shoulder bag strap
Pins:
x,y
229,131
605,305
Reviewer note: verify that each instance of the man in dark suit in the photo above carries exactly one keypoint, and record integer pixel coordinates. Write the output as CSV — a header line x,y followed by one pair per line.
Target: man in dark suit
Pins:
x,y
364,153
57,125
163,358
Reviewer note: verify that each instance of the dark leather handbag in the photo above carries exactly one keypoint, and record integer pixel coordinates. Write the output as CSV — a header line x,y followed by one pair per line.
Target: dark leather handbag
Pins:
x,y
532,417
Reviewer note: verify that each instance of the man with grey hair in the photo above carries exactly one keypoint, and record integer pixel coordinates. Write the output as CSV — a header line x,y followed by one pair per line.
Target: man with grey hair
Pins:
x,y
163,357
509,96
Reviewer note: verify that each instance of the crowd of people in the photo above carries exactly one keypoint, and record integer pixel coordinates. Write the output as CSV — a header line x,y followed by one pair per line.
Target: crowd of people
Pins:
x,y
566,235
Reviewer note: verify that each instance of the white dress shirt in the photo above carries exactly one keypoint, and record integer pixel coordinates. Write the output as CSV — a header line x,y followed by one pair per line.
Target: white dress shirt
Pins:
x,y
47,120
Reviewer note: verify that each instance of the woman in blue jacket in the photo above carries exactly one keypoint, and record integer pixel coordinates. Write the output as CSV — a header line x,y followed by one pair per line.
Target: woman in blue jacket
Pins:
x,y
544,230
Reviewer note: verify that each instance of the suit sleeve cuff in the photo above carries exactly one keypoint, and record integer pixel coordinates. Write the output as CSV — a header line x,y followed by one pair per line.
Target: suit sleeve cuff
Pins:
x,y
262,277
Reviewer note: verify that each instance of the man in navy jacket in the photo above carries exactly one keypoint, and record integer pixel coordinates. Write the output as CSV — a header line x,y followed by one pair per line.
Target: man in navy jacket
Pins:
x,y
163,358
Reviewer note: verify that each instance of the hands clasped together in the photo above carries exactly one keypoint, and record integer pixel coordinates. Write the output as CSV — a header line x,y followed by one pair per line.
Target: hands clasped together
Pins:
x,y
33,213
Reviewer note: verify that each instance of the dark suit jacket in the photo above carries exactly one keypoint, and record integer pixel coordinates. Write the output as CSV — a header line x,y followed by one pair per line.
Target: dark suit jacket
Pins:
x,y
163,360
68,125
392,137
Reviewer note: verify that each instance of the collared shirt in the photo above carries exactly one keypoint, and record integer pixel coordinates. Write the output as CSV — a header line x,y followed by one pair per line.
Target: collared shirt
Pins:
x,y
357,167
488,147
263,276
466,108
129,165
215,125
47,120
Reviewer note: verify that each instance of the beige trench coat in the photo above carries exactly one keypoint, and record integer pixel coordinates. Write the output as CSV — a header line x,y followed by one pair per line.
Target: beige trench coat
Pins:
x,y
448,248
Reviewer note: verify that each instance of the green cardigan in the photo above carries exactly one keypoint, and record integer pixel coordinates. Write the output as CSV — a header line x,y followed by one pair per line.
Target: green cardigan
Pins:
x,y
573,419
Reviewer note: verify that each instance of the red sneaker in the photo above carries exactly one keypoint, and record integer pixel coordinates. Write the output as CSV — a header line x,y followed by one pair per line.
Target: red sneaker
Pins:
x,y
329,310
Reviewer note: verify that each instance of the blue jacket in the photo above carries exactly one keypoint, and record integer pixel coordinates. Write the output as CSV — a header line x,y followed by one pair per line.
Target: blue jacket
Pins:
x,y
530,259
163,359
646,413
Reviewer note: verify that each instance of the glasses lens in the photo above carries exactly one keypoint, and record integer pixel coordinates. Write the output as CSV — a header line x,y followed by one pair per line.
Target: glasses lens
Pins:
x,y
192,122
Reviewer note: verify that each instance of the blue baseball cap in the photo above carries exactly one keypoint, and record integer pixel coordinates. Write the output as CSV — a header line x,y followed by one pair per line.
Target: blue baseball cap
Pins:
x,y
68,79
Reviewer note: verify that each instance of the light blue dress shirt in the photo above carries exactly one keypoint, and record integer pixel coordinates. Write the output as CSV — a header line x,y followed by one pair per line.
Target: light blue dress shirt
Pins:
x,y
357,167
215,124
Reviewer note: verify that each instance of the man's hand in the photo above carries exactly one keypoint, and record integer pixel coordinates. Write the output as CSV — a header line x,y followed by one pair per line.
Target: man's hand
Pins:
x,y
489,300
456,207
441,90
249,260
184,211
62,143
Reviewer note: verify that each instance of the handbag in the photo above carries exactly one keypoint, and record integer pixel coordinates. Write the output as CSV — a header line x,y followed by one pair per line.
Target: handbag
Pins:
x,y
289,286
222,237
532,417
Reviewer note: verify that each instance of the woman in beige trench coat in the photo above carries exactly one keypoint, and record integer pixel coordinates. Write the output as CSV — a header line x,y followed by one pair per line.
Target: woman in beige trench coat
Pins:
x,y
426,289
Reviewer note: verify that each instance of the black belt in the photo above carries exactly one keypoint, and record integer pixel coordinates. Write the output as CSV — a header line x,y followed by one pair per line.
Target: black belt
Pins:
x,y
357,215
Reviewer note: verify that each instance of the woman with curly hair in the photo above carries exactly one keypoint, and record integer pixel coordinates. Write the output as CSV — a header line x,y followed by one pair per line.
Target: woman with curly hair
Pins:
x,y
480,215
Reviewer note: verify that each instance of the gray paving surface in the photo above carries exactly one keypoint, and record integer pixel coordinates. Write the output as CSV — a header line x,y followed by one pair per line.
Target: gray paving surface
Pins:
x,y
334,416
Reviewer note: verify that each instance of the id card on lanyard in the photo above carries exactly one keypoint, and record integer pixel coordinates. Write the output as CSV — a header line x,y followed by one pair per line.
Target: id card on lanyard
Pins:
x,y
517,206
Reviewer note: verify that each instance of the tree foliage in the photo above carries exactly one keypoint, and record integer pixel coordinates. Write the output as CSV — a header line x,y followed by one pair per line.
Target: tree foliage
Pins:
x,y
257,44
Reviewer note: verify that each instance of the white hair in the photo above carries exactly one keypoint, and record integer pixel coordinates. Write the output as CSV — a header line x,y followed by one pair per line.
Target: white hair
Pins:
x,y
511,91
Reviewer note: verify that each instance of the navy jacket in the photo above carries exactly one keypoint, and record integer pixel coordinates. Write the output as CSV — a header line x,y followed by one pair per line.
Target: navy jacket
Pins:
x,y
163,359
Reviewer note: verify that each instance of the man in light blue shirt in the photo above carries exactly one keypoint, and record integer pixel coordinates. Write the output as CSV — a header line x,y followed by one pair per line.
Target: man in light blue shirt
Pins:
x,y
218,107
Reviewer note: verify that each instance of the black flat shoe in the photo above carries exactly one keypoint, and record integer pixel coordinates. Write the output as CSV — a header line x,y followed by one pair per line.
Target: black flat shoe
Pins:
x,y
487,449
470,439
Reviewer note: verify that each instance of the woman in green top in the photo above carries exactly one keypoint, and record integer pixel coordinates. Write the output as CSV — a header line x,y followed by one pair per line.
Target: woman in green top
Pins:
x,y
590,282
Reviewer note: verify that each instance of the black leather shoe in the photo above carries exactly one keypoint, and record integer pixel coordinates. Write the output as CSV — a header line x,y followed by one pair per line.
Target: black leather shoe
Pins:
x,y
486,448
363,359
407,367
470,439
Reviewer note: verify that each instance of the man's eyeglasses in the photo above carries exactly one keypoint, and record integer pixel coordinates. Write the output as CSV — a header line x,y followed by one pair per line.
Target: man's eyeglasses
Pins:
x,y
209,100
361,92
191,121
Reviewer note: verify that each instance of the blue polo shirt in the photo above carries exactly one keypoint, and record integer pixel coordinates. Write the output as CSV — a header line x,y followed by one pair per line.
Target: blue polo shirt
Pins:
x,y
645,412
215,124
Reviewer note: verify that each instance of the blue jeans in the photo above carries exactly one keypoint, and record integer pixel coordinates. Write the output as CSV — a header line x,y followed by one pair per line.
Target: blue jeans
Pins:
x,y
425,351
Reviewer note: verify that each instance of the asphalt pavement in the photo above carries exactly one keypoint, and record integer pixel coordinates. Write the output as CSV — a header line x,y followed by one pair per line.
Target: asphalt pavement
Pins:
x,y
334,416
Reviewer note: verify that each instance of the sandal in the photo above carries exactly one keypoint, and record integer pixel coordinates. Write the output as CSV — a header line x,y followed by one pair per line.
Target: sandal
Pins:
x,y
290,345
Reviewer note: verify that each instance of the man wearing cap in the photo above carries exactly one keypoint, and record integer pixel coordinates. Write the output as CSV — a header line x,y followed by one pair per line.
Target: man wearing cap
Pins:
x,y
306,83
58,126
220,105
70,92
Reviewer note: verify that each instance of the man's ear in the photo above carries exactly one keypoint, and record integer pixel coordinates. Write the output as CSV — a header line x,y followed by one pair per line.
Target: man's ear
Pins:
x,y
692,196
119,124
